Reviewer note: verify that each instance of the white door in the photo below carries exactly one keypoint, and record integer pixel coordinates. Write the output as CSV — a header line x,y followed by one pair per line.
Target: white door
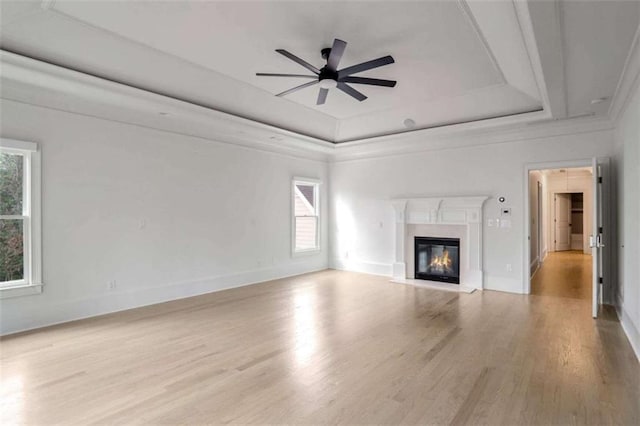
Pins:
x,y
596,241
562,222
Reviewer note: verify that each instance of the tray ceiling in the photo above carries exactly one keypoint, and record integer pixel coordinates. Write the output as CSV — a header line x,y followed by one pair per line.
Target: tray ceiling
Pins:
x,y
456,61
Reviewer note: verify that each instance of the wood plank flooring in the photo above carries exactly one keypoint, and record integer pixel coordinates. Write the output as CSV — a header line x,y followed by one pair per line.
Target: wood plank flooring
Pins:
x,y
564,274
327,347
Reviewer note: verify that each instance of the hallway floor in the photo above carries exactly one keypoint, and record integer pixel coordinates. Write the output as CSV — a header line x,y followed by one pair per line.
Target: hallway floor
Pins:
x,y
564,274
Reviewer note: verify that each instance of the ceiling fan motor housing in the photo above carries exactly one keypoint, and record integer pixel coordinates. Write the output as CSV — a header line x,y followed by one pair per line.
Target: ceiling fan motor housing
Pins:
x,y
327,74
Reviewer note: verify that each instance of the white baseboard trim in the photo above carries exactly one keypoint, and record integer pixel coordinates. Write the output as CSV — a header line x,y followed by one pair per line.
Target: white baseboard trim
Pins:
x,y
630,330
373,268
15,320
534,266
508,285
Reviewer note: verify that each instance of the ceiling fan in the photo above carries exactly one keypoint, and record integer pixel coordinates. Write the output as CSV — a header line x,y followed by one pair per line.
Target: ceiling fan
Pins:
x,y
329,76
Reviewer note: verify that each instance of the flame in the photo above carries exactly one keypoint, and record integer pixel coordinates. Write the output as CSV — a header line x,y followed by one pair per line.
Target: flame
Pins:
x,y
441,263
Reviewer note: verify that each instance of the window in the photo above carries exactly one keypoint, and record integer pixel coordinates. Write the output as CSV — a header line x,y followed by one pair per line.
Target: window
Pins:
x,y
19,218
306,218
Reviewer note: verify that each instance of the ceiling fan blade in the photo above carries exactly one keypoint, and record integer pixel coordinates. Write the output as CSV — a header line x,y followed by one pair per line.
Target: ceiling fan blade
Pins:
x,y
295,89
351,91
322,96
385,60
269,74
371,81
337,50
294,58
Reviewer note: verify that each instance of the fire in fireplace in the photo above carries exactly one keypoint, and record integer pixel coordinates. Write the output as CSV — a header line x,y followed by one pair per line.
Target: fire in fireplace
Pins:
x,y
437,259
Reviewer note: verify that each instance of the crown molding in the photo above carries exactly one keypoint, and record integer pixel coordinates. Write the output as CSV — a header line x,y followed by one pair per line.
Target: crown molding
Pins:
x,y
71,91
517,132
628,82
58,87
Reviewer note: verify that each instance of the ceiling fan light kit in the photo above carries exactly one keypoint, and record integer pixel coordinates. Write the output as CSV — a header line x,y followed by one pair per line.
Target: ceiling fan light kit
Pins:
x,y
329,76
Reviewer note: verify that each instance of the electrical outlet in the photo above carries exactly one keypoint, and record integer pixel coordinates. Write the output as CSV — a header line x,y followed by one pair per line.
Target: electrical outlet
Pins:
x,y
112,285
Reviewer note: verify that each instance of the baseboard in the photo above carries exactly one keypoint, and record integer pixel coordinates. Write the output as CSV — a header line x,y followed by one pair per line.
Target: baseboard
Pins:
x,y
534,266
508,285
630,330
373,268
14,320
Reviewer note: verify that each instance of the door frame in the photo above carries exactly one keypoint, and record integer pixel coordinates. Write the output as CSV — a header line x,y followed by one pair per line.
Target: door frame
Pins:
x,y
539,227
528,167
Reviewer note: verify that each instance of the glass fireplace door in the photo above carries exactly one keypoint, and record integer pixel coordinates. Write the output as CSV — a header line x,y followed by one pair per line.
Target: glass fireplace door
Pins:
x,y
437,259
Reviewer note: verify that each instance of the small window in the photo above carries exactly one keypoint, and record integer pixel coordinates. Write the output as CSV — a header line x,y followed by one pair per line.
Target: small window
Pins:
x,y
19,217
306,220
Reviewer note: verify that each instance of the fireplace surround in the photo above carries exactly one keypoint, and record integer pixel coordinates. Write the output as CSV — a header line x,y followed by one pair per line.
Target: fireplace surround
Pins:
x,y
440,217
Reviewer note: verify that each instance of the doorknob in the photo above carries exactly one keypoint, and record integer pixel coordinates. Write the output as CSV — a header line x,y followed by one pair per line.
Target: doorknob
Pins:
x,y
599,242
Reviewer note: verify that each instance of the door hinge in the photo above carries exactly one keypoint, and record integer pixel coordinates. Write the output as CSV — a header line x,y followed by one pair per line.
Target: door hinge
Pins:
x,y
600,230
600,179
600,280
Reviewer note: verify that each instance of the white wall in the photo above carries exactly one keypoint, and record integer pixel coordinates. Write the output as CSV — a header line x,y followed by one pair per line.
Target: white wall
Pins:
x,y
362,222
165,216
627,138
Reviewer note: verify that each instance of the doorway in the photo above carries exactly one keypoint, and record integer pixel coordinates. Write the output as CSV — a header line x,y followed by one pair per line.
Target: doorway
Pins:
x,y
560,212
569,222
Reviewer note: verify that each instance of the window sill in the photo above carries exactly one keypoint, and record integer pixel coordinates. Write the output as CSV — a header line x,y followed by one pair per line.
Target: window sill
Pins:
x,y
307,252
20,290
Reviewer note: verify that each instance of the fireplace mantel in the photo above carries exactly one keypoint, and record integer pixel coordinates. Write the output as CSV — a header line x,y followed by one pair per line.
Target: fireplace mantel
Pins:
x,y
466,211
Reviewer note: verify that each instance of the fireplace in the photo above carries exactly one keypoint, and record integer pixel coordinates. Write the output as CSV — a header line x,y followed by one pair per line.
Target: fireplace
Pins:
x,y
440,218
437,259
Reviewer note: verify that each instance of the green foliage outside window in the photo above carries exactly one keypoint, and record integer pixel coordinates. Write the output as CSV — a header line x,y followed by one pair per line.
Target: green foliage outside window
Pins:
x,y
11,229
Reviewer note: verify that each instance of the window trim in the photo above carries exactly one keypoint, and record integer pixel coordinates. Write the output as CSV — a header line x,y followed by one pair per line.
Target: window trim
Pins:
x,y
316,185
31,214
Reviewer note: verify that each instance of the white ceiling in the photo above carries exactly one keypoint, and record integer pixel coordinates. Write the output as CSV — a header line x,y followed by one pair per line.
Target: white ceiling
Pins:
x,y
597,37
456,61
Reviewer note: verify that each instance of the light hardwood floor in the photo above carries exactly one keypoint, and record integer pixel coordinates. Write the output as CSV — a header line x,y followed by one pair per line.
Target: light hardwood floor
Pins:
x,y
564,274
328,347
